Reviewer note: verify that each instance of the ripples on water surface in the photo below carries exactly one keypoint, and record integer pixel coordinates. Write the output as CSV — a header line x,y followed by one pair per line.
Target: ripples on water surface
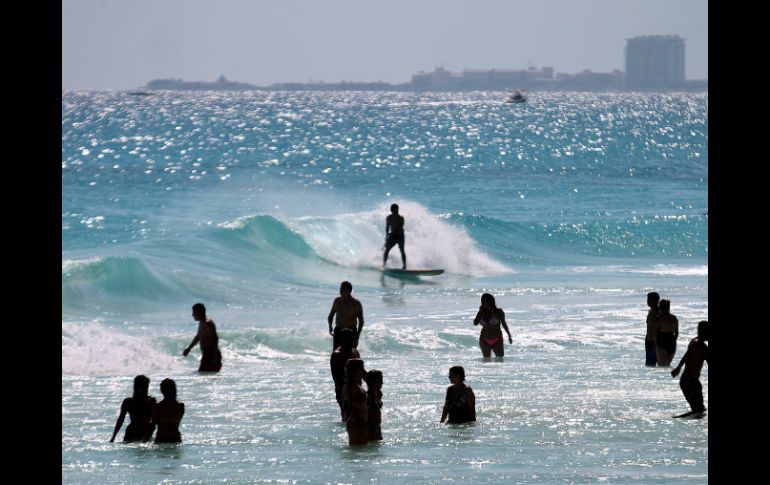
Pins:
x,y
568,208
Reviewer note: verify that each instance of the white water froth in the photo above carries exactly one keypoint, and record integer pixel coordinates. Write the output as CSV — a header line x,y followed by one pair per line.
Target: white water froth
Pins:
x,y
93,349
674,270
357,240
658,269
68,265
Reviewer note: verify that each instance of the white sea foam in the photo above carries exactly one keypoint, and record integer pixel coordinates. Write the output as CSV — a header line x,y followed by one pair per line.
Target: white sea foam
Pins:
x,y
92,348
658,269
68,265
357,239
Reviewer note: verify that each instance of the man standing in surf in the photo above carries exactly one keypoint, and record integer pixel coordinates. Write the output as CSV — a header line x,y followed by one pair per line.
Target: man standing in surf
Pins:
x,y
349,312
650,344
394,234
211,358
692,360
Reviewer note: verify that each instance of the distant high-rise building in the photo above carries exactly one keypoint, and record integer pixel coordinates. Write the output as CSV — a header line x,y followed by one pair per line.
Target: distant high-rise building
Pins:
x,y
654,61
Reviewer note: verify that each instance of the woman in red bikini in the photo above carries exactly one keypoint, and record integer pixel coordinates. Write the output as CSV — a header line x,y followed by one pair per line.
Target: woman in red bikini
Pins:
x,y
491,318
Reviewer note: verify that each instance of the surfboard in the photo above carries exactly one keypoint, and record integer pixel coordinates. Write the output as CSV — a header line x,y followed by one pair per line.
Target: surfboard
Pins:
x,y
412,272
691,414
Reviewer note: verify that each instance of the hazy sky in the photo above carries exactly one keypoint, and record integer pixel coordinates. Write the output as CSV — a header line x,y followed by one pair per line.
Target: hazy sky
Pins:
x,y
122,44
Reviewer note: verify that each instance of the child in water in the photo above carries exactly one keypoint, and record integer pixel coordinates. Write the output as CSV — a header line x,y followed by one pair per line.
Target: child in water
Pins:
x,y
374,404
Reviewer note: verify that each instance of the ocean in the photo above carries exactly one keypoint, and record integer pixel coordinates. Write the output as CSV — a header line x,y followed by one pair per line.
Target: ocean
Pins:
x,y
568,209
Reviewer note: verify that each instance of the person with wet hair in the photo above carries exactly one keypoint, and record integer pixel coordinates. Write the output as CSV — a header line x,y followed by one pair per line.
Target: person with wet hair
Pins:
x,y
355,395
491,319
166,415
460,402
139,409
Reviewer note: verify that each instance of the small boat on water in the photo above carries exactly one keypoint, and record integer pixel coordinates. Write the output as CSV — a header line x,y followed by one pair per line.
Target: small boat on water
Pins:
x,y
516,97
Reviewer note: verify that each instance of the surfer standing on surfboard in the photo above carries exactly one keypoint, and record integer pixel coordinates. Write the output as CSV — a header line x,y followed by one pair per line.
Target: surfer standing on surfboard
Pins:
x,y
394,234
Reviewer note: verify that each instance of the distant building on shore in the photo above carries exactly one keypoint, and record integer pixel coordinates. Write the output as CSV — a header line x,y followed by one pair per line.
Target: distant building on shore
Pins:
x,y
480,79
532,79
655,62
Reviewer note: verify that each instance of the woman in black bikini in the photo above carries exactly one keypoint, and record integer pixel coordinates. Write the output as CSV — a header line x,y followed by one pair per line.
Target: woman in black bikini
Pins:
x,y
491,318
139,409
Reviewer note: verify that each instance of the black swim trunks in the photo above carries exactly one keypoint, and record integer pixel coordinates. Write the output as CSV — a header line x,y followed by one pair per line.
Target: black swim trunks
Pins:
x,y
394,239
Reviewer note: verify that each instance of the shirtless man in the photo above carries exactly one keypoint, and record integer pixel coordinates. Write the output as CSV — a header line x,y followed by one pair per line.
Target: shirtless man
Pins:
x,y
211,358
394,234
349,312
650,345
697,353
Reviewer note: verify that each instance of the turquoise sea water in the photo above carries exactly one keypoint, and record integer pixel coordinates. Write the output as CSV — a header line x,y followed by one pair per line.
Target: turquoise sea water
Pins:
x,y
568,208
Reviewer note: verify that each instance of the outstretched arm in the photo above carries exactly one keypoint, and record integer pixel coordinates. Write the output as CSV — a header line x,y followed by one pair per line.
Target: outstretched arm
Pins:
x,y
675,370
330,318
360,319
121,418
505,326
192,344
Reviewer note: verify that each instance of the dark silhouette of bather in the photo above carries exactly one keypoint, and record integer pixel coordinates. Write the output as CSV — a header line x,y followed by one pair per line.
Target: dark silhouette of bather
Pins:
x,y
355,395
337,363
139,409
697,353
349,312
166,415
667,333
374,404
491,319
211,357
460,402
650,346
394,234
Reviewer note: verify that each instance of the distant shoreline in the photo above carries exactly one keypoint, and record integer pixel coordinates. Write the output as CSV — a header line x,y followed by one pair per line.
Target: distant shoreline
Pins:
x,y
165,85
